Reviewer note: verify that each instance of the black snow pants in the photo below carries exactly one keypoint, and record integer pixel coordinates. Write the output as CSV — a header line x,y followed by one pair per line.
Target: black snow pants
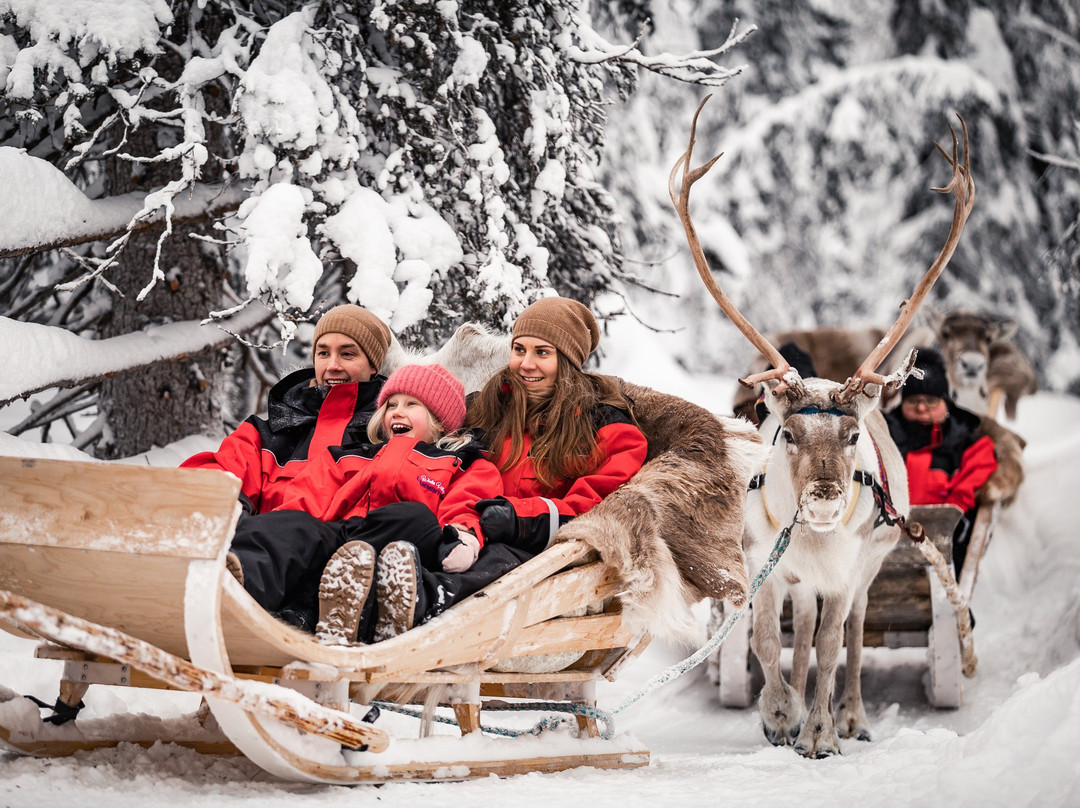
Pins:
x,y
283,553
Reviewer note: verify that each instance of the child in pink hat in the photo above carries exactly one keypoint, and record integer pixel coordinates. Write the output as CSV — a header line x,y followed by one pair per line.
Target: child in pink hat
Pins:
x,y
417,479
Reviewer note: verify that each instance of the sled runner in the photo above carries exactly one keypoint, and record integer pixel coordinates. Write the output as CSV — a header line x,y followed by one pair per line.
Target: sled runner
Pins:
x,y
907,607
120,571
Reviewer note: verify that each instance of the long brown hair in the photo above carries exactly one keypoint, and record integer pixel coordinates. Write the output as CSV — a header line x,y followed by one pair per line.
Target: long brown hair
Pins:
x,y
562,425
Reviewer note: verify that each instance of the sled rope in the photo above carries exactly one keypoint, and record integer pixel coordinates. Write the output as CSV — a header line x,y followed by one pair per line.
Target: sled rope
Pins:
x,y
664,677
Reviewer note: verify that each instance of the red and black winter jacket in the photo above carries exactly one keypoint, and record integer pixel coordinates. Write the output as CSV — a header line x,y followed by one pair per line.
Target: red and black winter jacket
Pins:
x,y
946,463
355,479
303,421
621,447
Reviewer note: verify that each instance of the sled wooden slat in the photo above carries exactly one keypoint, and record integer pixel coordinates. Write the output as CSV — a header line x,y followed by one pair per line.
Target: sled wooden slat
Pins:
x,y
140,551
63,503
75,539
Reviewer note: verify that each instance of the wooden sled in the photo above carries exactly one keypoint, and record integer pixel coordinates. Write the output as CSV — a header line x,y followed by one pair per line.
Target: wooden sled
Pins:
x,y
120,571
907,607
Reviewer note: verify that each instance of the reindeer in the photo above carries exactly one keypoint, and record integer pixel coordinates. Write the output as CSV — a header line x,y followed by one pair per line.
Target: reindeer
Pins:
x,y
983,365
829,475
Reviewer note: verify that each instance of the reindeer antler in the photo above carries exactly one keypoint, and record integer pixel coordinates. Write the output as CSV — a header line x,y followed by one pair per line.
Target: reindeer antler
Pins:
x,y
963,186
681,200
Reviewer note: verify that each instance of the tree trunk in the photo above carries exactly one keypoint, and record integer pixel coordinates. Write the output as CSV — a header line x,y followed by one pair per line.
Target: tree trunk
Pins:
x,y
157,405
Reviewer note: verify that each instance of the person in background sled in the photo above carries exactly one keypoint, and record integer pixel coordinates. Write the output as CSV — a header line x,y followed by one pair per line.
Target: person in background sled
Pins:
x,y
317,552
947,459
562,439
308,411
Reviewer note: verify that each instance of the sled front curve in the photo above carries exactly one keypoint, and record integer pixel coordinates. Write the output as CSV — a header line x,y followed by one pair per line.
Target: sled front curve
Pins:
x,y
516,616
92,553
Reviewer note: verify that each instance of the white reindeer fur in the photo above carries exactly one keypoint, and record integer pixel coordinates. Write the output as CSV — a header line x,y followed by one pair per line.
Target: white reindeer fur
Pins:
x,y
472,354
838,565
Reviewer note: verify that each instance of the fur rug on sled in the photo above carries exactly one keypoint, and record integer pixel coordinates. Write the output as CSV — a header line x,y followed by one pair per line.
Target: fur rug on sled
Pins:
x,y
674,532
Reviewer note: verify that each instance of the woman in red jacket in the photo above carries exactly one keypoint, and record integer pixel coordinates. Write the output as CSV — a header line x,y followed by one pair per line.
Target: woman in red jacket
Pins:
x,y
947,459
562,439
411,480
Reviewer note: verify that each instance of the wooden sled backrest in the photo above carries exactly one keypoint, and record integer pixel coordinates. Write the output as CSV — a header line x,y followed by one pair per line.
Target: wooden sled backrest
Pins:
x,y
112,543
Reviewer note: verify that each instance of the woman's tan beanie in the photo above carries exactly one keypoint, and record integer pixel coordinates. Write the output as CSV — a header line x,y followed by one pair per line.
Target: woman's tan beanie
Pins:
x,y
370,333
563,322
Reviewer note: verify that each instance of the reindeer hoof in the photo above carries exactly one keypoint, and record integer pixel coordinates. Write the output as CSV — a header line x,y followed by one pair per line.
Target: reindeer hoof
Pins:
x,y
816,753
864,735
775,736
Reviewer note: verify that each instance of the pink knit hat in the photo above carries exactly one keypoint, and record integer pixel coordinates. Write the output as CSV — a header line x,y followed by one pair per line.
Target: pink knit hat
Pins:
x,y
435,387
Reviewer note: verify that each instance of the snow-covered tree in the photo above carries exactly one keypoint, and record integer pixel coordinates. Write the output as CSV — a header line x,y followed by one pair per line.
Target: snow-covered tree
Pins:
x,y
434,162
820,211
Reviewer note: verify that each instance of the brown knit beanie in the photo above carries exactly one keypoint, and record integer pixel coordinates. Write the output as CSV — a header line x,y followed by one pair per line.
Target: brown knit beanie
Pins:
x,y
370,333
563,322
435,387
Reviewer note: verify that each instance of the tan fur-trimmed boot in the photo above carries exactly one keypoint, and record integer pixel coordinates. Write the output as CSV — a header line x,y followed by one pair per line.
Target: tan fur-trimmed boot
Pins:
x,y
396,581
345,584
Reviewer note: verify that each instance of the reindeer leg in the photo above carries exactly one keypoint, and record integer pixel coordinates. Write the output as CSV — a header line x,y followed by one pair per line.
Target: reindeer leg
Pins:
x,y
851,716
818,738
804,615
782,709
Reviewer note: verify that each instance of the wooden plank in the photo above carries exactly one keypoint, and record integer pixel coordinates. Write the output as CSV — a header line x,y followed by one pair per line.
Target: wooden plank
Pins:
x,y
579,691
302,714
139,594
568,634
38,746
571,589
114,507
981,533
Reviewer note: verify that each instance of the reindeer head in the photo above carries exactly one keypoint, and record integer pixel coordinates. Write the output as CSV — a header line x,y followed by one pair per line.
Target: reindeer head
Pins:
x,y
821,421
819,437
965,338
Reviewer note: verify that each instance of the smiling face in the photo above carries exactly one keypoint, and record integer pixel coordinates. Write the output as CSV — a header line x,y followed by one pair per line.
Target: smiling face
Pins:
x,y
339,360
536,363
408,416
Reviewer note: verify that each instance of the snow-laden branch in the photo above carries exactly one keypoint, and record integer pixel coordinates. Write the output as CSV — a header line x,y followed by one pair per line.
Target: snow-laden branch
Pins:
x,y
695,67
49,356
58,214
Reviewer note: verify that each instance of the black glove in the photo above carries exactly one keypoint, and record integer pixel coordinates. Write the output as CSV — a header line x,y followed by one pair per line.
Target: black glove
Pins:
x,y
498,520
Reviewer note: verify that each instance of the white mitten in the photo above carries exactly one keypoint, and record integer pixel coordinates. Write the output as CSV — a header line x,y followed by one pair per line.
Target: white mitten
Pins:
x,y
464,555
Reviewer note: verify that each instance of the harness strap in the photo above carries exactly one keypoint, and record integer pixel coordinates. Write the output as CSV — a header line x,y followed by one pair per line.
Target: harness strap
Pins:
x,y
62,713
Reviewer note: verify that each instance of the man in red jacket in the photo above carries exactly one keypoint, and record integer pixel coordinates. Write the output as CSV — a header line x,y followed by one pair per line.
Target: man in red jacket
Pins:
x,y
308,411
947,458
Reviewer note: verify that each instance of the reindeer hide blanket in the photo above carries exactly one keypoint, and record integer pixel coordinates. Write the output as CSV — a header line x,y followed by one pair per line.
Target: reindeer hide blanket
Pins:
x,y
674,532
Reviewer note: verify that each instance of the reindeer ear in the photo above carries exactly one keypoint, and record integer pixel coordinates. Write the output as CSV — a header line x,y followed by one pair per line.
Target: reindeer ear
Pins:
x,y
933,317
775,404
867,400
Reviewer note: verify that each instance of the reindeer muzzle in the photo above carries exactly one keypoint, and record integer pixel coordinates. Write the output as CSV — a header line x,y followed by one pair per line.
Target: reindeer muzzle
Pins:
x,y
823,505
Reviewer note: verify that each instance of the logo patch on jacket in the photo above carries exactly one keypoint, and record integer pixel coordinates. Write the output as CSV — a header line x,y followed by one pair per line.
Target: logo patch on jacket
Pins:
x,y
431,485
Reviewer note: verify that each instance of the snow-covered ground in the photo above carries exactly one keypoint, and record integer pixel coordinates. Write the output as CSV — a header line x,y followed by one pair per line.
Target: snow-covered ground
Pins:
x,y
1014,742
